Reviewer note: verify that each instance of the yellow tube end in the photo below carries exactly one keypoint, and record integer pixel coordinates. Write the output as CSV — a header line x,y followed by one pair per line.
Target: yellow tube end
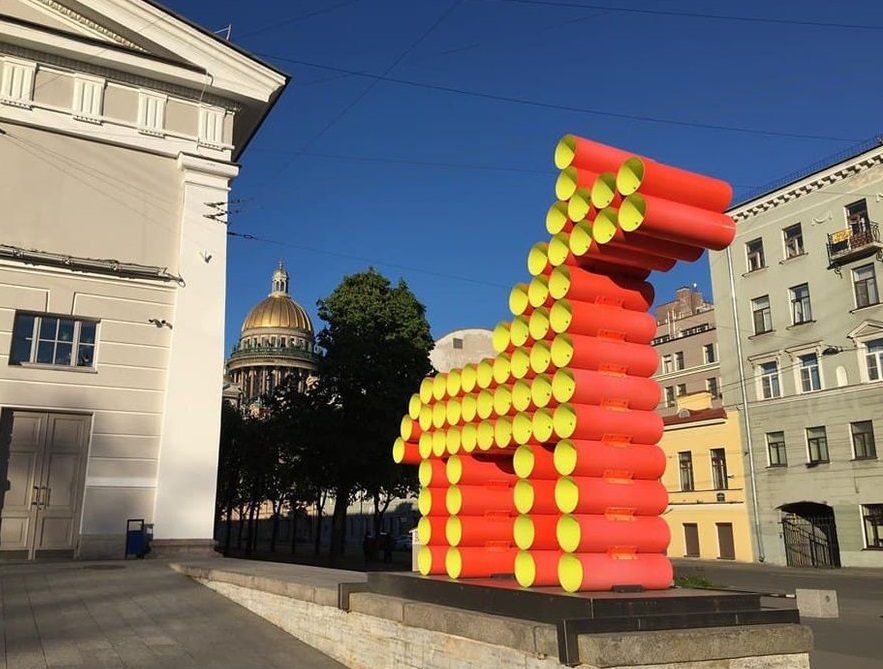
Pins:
x,y
503,432
439,443
559,281
468,408
541,391
561,350
519,365
485,373
426,386
559,248
452,411
453,383
523,461
579,205
453,469
440,386
566,183
563,385
522,428
565,457
424,531
424,473
469,437
565,151
523,532
630,176
452,440
603,190
424,560
564,421
632,212
414,406
523,495
424,502
501,336
540,357
454,531
538,291
453,500
556,218
439,414
581,238
538,258
502,400
525,569
570,572
539,323
519,331
605,226
561,316
568,533
485,435
518,299
521,396
469,378
501,368
398,450
424,446
485,403
566,494
453,563
425,418
543,425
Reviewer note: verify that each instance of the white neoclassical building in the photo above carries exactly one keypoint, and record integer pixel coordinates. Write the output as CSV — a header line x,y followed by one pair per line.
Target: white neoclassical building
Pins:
x,y
121,128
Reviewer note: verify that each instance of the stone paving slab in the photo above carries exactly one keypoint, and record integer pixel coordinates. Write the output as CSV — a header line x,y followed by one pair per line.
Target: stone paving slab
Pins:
x,y
137,613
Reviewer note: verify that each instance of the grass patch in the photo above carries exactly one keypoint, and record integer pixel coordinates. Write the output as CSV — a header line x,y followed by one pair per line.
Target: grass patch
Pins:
x,y
693,582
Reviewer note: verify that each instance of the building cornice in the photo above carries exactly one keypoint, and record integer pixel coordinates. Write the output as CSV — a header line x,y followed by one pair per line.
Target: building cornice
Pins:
x,y
78,19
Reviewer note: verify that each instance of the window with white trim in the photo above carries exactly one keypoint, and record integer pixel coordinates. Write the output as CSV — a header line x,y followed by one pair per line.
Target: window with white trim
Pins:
x,y
17,83
669,396
863,445
88,98
151,113
769,380
43,339
872,515
681,389
793,236
817,444
761,315
801,311
708,352
679,360
864,284
874,359
712,386
775,443
810,379
211,126
754,253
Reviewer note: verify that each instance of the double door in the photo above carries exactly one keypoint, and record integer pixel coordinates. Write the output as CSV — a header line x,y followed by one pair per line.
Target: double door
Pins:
x,y
42,473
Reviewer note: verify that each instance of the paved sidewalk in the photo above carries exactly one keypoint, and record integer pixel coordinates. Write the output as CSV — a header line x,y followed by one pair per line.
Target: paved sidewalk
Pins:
x,y
138,613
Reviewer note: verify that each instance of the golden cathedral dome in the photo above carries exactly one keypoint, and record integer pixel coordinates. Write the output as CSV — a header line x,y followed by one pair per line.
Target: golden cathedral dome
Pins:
x,y
278,310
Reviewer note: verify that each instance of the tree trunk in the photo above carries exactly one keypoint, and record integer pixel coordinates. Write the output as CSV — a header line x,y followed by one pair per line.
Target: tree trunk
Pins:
x,y
250,535
274,533
338,524
293,532
241,522
320,506
229,526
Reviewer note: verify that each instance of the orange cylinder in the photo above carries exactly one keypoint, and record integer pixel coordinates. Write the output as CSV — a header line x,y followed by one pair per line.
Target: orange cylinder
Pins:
x,y
518,299
540,357
588,155
406,453
431,530
431,559
672,183
479,470
541,391
646,243
519,364
618,269
484,373
578,494
536,531
519,333
501,338
521,397
534,461
594,533
432,501
581,285
432,473
556,218
469,378
440,386
600,320
537,568
589,421
479,530
574,457
480,562
503,432
535,496
410,429
472,500
503,401
538,258
578,352
586,250
538,291
676,222
569,180
584,386
586,572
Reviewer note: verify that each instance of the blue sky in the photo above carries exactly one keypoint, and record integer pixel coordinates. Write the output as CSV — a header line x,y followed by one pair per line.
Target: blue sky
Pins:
x,y
437,166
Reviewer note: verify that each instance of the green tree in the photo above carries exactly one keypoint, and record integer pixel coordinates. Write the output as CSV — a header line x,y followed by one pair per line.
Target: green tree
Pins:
x,y
376,351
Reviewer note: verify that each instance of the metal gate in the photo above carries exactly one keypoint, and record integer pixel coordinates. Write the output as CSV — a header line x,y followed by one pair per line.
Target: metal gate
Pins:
x,y
811,541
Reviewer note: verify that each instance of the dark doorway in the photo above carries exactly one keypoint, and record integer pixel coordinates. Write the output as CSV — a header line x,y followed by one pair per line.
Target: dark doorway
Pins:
x,y
691,540
725,542
810,535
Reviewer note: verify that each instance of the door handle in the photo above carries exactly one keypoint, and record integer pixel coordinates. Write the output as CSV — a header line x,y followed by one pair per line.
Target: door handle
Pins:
x,y
36,498
46,497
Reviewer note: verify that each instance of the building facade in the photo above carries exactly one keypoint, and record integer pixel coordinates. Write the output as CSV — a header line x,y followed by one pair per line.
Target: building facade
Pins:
x,y
802,357
460,347
686,341
121,128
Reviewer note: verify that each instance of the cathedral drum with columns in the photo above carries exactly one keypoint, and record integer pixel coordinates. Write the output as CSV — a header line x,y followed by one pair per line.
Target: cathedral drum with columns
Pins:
x,y
276,342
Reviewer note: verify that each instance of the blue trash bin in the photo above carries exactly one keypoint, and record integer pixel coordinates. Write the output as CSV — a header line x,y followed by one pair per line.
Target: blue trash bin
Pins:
x,y
136,538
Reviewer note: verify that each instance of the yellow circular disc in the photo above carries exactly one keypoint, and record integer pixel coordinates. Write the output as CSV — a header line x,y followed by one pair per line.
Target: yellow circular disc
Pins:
x,y
454,469
485,435
522,427
440,386
605,226
453,563
538,258
566,184
632,212
565,421
398,450
562,350
570,572
439,414
501,368
523,495
469,437
525,569
523,532
568,533
424,446
484,407
454,531
579,205
563,385
501,336
424,530
439,443
566,494
424,473
519,331
424,560
426,386
581,238
453,500
415,404
502,400
565,457
603,190
543,425
425,418
452,439
561,316
503,432
485,373
540,356
559,248
541,390
519,363
424,501
538,290
565,150
406,428
452,410
559,282
468,407
556,218
523,461
521,396
469,378
518,299
453,383
630,176
539,323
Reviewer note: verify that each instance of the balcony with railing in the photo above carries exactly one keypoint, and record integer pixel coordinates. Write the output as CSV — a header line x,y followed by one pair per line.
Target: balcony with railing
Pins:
x,y
853,243
291,352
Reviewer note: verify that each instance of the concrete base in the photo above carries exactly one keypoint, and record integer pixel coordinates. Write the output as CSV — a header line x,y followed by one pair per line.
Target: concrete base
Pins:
x,y
174,549
397,633
102,547
817,603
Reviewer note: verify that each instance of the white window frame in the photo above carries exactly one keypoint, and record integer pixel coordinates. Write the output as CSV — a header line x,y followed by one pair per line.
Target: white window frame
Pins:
x,y
801,305
800,377
792,248
17,82
713,357
717,387
755,259
757,362
75,343
767,311
855,455
864,354
667,363
820,459
88,90
769,459
679,361
872,281
152,113
211,126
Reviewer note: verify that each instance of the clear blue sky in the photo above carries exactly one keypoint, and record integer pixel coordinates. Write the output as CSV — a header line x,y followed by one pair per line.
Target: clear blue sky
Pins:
x,y
444,179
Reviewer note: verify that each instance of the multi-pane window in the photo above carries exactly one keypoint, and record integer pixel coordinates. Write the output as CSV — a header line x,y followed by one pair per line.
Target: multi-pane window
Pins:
x,y
681,389
761,315
685,466
711,386
754,250
793,241
52,340
679,360
667,364
863,439
769,380
817,443
719,468
801,312
874,359
872,514
864,283
809,373
708,352
669,396
775,443
857,216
